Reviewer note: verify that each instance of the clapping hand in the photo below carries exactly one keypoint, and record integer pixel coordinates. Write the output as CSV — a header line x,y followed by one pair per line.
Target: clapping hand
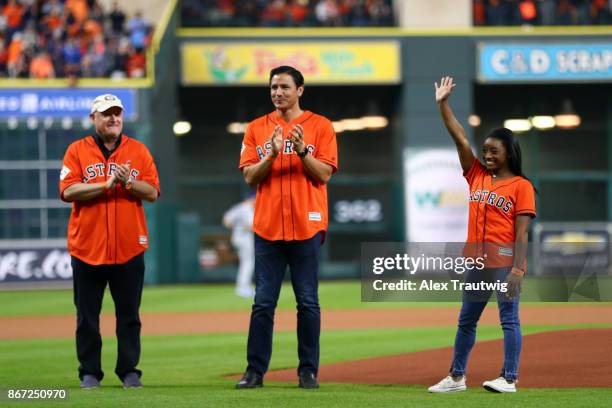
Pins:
x,y
122,172
276,140
297,137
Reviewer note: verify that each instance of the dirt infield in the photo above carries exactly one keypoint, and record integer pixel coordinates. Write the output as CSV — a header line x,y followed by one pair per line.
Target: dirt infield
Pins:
x,y
573,358
36,327
562,359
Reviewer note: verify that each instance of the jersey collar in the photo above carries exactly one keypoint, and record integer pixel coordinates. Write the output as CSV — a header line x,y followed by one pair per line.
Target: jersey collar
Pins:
x,y
503,183
96,140
274,117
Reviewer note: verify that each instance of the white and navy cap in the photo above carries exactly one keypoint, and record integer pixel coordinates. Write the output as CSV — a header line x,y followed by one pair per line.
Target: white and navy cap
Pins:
x,y
105,102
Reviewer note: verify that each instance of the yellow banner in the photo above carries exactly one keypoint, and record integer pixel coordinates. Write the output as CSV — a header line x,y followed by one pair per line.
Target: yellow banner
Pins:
x,y
242,63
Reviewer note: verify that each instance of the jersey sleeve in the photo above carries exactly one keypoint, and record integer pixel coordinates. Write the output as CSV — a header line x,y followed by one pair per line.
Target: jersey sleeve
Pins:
x,y
525,199
71,172
474,172
149,171
248,152
327,148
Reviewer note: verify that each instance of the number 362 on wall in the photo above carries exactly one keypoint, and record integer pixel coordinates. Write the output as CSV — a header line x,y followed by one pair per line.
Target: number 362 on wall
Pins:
x,y
358,211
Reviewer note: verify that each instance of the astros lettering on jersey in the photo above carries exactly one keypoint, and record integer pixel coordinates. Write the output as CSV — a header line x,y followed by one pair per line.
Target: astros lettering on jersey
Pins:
x,y
493,209
124,234
295,206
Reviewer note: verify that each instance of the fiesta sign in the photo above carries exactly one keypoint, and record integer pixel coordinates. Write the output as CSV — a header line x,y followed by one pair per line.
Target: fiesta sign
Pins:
x,y
372,62
545,62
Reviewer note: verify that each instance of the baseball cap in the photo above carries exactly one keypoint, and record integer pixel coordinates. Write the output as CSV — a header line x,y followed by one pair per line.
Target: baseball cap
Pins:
x,y
105,102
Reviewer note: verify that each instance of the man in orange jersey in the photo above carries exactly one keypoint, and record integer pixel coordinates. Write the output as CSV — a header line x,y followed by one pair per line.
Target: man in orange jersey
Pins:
x,y
106,176
290,155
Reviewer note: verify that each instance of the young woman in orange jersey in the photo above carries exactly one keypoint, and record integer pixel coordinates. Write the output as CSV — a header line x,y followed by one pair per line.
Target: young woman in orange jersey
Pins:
x,y
502,204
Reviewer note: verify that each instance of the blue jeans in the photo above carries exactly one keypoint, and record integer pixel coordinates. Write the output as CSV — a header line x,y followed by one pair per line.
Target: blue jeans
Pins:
x,y
271,260
466,330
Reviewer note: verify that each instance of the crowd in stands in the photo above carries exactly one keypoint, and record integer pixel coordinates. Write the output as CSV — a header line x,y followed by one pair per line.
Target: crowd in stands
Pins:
x,y
542,12
71,38
287,13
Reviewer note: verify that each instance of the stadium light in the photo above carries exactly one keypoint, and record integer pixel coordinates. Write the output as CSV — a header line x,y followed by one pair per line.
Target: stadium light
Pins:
x,y
517,125
236,128
543,122
32,123
353,124
48,122
86,123
338,127
568,121
181,128
66,123
12,122
375,122
474,120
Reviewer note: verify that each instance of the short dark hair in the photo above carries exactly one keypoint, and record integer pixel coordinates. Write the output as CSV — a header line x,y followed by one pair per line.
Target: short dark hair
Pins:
x,y
297,76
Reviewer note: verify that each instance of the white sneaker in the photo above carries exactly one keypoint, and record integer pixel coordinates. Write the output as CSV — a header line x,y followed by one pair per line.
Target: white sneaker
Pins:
x,y
499,385
449,385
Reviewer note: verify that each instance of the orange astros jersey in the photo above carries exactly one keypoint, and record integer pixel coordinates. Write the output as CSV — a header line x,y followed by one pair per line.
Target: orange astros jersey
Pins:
x,y
493,210
290,205
110,228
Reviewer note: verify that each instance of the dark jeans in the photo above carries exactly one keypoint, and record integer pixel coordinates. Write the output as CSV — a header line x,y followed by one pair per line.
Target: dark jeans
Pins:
x,y
468,319
125,282
271,260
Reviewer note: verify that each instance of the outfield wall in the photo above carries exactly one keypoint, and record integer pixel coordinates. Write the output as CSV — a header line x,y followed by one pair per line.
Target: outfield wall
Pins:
x,y
522,91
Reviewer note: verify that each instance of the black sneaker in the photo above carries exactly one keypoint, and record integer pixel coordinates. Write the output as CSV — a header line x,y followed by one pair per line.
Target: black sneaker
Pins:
x,y
308,381
250,379
131,380
89,382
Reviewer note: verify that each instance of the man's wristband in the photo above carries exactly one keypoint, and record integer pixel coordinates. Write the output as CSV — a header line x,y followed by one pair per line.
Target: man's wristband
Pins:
x,y
303,153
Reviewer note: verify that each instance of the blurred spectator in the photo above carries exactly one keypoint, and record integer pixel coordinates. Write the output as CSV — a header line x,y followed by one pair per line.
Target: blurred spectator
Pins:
x,y
274,15
137,29
136,64
542,12
78,9
547,11
380,12
528,11
71,38
42,66
52,6
286,13
328,13
3,58
14,59
72,57
13,13
298,13
478,12
117,18
565,12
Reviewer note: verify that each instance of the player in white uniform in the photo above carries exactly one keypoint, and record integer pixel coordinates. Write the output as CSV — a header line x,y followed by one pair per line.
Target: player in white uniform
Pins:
x,y
239,219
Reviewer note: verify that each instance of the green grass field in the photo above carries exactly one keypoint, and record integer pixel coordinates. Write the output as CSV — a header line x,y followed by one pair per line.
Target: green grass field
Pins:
x,y
190,370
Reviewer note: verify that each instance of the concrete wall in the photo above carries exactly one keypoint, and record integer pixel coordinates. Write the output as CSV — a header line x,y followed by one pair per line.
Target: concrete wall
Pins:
x,y
152,10
424,61
434,13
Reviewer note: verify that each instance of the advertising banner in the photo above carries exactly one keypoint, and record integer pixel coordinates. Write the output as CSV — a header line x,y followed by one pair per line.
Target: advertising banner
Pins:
x,y
59,103
544,62
249,63
34,262
436,196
